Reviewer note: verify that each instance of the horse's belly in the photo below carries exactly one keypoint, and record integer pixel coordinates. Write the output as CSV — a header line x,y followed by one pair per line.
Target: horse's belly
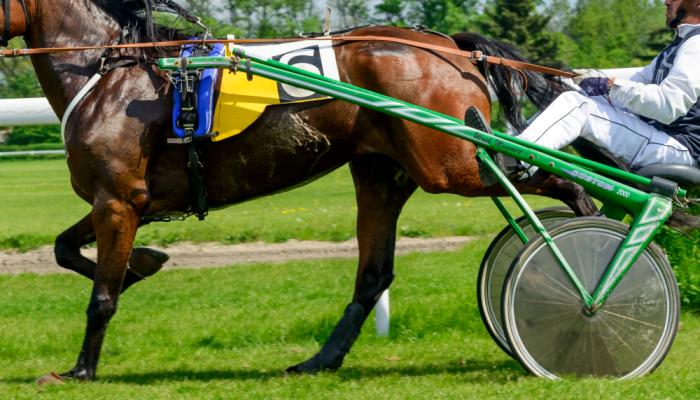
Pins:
x,y
281,150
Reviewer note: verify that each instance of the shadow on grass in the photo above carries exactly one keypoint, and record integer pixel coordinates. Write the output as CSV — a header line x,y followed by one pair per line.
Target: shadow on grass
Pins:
x,y
499,371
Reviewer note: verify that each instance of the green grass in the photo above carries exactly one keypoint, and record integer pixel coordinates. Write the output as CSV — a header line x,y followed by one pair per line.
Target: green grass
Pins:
x,y
224,333
38,204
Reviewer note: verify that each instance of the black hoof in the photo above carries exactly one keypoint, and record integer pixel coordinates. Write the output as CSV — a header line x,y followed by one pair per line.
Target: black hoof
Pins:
x,y
331,355
313,365
78,374
145,262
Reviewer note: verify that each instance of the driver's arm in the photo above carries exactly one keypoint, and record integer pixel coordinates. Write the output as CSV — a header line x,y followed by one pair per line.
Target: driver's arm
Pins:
x,y
669,100
646,75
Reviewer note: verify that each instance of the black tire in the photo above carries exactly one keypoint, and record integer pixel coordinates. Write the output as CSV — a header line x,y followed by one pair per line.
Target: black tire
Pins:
x,y
547,326
498,259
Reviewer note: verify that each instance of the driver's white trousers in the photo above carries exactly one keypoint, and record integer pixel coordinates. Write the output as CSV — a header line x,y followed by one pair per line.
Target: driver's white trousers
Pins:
x,y
617,130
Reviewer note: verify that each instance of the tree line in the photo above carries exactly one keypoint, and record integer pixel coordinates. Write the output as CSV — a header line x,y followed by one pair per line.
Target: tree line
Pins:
x,y
589,33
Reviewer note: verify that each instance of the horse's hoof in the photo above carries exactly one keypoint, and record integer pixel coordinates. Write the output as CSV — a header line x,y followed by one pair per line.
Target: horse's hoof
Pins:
x,y
50,379
302,369
145,262
309,367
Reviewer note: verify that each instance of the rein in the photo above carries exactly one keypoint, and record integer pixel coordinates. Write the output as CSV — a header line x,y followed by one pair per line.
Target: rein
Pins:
x,y
474,57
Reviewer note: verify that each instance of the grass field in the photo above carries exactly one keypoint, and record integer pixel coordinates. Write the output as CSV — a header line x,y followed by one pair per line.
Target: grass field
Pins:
x,y
226,333
38,203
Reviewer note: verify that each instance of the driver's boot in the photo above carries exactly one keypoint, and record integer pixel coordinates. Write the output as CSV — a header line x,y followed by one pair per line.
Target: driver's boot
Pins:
x,y
510,167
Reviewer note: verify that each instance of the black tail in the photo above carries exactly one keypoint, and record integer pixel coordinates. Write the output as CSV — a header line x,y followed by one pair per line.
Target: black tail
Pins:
x,y
542,89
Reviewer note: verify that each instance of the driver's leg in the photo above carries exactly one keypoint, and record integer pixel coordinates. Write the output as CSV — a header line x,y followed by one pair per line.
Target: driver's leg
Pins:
x,y
561,123
616,130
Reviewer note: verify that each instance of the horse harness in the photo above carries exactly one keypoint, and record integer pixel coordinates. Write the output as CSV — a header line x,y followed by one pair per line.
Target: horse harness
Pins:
x,y
187,120
4,39
188,90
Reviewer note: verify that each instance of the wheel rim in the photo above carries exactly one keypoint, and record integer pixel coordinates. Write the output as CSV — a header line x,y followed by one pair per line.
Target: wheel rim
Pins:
x,y
553,333
498,262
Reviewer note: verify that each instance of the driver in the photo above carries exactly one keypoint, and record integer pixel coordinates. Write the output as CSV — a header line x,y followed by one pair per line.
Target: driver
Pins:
x,y
656,118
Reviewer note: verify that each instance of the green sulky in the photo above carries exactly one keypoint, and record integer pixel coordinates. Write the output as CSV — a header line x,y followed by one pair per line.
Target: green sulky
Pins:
x,y
649,211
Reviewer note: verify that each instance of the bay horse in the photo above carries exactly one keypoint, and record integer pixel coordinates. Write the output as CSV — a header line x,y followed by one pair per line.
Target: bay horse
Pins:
x,y
121,164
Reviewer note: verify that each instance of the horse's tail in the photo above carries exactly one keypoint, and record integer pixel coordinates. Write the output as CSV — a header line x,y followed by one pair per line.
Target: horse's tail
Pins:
x,y
542,89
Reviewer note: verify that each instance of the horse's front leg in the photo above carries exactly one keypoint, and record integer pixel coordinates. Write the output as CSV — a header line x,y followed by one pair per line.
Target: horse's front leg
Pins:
x,y
383,187
68,256
115,222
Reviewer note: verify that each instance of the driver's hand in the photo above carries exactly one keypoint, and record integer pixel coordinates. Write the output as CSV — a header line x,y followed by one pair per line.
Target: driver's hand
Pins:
x,y
587,73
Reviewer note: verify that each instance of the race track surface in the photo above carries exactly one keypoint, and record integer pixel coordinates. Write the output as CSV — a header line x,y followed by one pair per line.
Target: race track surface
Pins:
x,y
188,255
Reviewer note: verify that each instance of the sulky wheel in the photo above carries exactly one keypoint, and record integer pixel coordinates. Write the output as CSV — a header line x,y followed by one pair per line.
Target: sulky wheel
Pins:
x,y
544,319
497,261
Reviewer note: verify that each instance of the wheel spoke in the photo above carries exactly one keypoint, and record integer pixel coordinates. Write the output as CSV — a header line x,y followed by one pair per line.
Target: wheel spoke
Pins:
x,y
624,343
497,263
631,319
552,331
573,294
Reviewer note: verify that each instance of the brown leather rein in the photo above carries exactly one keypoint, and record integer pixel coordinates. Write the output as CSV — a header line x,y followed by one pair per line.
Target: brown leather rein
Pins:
x,y
474,57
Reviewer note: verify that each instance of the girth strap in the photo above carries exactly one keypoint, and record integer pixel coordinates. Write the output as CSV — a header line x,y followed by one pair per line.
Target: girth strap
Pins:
x,y
195,175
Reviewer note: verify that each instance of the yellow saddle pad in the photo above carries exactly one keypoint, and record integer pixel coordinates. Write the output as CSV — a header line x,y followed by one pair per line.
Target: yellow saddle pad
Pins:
x,y
241,102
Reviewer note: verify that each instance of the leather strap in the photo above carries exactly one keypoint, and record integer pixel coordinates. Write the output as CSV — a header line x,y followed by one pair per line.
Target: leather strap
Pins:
x,y
26,14
6,29
6,32
195,177
426,46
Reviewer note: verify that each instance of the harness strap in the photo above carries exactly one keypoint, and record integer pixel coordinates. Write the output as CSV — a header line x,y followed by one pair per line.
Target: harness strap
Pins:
x,y
6,34
426,46
88,86
510,79
195,177
108,52
4,39
26,14
423,28
93,81
84,91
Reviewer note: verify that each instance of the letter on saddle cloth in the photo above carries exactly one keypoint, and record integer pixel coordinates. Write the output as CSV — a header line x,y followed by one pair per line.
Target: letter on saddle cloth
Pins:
x,y
240,102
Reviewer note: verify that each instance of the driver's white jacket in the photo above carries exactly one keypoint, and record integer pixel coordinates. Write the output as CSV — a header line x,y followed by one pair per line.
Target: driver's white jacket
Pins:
x,y
675,95
654,118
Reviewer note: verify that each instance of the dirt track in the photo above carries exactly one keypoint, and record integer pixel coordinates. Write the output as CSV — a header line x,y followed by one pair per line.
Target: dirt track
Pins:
x,y
213,255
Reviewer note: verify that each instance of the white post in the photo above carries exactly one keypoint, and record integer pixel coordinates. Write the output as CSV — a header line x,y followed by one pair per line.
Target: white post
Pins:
x,y
381,312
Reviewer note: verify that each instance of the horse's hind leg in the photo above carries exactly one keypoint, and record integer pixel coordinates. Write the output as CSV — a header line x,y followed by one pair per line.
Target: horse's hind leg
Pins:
x,y
383,187
570,193
68,256
115,224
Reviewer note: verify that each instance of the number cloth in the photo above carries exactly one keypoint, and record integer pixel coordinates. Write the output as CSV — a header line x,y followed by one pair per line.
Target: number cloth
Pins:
x,y
241,101
655,118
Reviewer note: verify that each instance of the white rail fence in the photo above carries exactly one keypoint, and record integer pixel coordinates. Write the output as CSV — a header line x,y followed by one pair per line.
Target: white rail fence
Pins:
x,y
20,112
